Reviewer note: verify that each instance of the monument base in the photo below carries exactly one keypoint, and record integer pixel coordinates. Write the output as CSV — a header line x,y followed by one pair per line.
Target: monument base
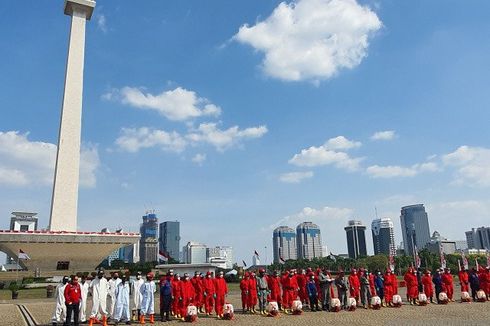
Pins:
x,y
61,250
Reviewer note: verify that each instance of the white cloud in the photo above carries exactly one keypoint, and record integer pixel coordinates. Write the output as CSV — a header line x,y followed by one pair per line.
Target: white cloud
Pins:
x,y
394,171
341,143
328,155
179,104
132,140
24,162
295,177
472,165
312,39
384,135
101,23
321,216
223,139
199,158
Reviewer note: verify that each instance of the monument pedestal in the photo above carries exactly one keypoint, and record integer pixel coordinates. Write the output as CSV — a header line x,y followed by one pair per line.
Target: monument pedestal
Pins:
x,y
71,251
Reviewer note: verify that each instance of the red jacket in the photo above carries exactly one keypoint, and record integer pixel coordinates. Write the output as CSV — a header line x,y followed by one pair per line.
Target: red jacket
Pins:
x,y
447,279
463,277
252,286
244,285
273,283
73,293
196,282
176,288
208,286
187,290
220,286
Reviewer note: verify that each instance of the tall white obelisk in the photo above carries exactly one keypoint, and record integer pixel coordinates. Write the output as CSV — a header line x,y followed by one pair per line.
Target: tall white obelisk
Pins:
x,y
67,172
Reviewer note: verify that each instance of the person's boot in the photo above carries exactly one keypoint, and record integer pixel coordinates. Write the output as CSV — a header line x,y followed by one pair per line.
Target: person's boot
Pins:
x,y
152,319
91,322
142,319
104,321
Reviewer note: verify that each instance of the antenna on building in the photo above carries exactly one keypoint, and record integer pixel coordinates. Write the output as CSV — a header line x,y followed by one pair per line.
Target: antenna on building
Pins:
x,y
376,211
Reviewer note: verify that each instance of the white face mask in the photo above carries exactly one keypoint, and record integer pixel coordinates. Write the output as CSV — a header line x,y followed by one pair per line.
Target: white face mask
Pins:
x,y
138,277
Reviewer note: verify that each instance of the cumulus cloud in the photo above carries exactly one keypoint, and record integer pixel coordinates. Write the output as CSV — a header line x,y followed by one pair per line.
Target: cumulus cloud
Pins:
x,y
394,171
134,139
341,143
472,165
329,154
24,162
384,135
312,39
320,216
199,158
295,177
179,104
223,139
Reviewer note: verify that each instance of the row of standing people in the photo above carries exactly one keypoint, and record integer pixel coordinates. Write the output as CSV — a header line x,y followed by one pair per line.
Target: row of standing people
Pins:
x,y
317,288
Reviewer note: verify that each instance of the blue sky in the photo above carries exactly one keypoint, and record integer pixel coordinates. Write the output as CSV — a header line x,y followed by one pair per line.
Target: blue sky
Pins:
x,y
235,117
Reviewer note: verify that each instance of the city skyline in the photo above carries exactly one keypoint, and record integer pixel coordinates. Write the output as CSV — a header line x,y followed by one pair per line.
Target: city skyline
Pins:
x,y
198,117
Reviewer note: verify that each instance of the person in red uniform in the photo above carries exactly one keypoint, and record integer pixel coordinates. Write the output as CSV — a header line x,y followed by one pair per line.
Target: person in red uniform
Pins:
x,y
196,282
464,280
221,291
354,285
188,294
482,277
208,294
273,282
412,285
244,291
294,288
447,280
372,284
285,294
302,292
427,284
389,287
177,295
252,292
73,295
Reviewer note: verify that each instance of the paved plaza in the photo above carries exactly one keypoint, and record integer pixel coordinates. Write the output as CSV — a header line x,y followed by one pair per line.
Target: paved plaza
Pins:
x,y
451,314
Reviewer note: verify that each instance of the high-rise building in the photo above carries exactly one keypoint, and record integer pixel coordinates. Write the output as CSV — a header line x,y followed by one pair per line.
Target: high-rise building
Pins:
x,y
220,253
149,238
194,253
284,244
356,239
415,228
478,238
169,240
308,241
440,244
383,236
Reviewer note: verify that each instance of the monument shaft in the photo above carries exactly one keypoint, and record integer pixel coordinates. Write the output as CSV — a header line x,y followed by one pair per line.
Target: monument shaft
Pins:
x,y
64,202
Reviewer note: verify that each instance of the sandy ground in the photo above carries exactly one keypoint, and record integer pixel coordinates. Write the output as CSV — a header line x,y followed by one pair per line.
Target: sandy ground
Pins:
x,y
451,314
10,315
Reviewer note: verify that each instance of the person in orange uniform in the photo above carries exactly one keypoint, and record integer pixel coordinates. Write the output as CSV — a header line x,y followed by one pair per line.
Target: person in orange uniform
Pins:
x,y
427,284
209,292
447,280
221,291
244,291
